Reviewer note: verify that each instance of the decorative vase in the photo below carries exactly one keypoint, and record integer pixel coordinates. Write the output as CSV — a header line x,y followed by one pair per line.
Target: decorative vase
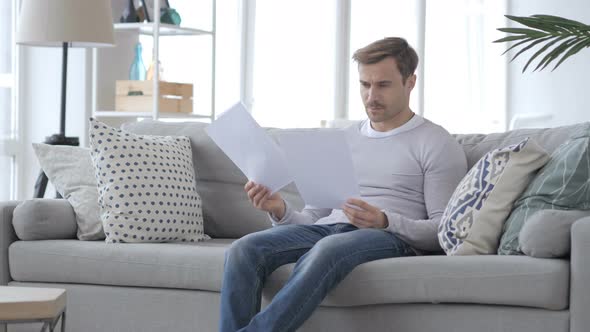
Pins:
x,y
137,70
169,15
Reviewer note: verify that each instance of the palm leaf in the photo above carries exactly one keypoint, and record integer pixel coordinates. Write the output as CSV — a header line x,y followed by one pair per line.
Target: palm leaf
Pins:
x,y
558,20
573,35
510,38
541,50
554,54
528,32
518,44
524,49
532,23
573,50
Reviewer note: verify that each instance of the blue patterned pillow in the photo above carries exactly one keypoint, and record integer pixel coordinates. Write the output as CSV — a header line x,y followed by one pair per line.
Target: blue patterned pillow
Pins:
x,y
473,219
561,185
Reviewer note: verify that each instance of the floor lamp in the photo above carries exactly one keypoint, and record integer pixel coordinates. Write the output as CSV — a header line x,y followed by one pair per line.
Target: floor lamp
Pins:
x,y
65,24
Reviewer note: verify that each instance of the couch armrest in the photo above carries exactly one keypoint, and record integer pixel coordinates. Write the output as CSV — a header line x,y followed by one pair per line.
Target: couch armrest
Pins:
x,y
7,236
580,276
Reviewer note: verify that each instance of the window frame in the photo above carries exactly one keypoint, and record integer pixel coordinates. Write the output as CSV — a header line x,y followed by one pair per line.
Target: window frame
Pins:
x,y
342,57
11,146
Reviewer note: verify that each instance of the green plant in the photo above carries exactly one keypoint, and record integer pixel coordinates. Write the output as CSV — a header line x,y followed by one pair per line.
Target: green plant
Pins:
x,y
569,37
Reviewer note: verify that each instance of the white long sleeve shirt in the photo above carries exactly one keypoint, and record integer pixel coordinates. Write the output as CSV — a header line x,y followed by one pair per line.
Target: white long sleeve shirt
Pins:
x,y
409,173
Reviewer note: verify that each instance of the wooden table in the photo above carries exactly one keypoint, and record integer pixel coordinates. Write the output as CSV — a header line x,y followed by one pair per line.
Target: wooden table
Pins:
x,y
31,304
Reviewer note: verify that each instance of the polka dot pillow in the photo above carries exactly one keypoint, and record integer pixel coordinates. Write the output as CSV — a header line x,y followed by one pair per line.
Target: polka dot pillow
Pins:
x,y
146,186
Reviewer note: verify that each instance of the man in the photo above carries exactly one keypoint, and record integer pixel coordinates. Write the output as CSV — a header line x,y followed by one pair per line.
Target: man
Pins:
x,y
407,168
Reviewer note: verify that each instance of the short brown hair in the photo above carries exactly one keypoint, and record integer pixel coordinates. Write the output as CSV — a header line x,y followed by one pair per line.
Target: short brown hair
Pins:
x,y
398,48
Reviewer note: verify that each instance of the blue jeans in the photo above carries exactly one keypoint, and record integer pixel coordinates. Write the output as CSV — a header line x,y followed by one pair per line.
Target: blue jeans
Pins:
x,y
325,254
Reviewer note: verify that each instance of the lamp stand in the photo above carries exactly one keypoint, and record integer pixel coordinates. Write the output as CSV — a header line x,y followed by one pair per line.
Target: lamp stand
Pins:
x,y
58,139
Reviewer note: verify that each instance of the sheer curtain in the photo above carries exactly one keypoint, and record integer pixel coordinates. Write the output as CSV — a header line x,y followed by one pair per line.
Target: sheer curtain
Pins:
x,y
372,20
7,102
465,74
293,69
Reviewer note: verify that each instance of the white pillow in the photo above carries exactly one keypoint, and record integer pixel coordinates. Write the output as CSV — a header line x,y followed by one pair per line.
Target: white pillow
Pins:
x,y
146,186
70,170
473,219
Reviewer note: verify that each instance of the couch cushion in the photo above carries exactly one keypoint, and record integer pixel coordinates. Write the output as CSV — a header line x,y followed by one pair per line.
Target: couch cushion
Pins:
x,y
508,280
476,145
197,265
227,212
491,279
44,219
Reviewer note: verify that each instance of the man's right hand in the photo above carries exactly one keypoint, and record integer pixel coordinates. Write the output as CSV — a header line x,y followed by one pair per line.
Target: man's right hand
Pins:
x,y
261,198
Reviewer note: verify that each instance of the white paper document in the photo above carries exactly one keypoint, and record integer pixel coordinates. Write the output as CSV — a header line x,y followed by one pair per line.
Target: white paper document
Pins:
x,y
250,148
321,165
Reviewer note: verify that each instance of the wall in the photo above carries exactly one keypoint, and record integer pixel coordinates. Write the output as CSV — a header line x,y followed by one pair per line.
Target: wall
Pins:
x,y
562,95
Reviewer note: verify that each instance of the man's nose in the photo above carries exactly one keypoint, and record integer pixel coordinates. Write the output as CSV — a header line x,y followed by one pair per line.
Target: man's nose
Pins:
x,y
371,94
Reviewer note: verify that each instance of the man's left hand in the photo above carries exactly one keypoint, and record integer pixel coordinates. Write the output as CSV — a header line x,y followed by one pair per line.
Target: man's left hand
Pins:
x,y
364,215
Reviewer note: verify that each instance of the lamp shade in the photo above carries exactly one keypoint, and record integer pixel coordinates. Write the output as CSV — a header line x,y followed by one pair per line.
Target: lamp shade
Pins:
x,y
81,23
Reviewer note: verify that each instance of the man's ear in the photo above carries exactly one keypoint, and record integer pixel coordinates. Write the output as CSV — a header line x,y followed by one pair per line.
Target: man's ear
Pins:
x,y
410,82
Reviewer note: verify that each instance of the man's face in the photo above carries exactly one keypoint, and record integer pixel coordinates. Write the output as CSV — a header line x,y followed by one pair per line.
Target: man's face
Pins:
x,y
383,92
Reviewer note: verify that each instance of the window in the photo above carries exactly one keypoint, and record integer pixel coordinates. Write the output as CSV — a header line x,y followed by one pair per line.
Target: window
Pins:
x,y
8,144
293,68
372,20
461,75
465,74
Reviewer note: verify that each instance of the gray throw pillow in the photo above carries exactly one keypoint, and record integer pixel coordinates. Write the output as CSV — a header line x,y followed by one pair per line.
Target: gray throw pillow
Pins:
x,y
44,219
546,234
70,170
559,185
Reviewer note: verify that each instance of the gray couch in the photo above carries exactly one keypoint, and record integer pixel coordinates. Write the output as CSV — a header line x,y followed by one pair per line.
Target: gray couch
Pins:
x,y
175,287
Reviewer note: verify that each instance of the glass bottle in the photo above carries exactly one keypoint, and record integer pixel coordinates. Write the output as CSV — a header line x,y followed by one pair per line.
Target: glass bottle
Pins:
x,y
137,70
